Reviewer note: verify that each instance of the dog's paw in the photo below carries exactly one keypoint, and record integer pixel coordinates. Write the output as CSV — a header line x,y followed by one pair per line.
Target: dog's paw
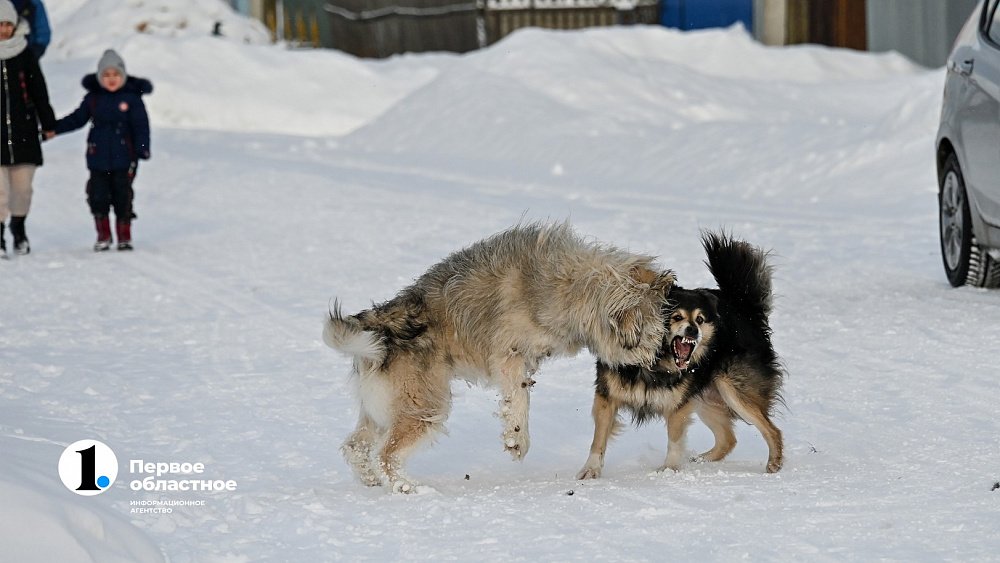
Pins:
x,y
672,468
706,458
592,469
712,455
411,488
367,475
405,486
371,480
774,465
675,459
516,442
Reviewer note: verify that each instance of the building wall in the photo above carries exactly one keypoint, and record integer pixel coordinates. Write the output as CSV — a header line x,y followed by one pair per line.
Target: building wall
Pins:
x,y
923,30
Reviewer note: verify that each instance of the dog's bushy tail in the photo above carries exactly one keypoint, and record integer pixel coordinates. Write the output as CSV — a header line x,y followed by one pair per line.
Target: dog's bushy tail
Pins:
x,y
742,272
347,335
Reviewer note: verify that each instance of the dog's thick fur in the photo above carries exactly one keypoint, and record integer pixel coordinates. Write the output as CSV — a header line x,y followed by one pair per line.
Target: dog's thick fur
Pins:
x,y
717,360
491,313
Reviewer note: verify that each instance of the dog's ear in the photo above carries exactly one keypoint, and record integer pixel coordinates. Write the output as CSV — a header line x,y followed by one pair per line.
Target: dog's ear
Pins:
x,y
649,293
712,303
664,282
628,324
659,282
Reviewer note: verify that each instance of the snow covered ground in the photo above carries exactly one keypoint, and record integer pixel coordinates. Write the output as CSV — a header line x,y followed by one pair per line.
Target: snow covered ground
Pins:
x,y
281,179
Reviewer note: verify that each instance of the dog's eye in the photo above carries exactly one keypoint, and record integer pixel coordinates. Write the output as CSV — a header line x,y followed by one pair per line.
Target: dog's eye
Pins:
x,y
678,318
700,319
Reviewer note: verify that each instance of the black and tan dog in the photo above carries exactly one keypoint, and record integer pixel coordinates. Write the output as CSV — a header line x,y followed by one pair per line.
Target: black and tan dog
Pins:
x,y
716,360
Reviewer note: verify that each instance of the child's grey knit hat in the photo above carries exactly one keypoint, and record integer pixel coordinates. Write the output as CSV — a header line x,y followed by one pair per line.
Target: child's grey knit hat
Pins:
x,y
111,59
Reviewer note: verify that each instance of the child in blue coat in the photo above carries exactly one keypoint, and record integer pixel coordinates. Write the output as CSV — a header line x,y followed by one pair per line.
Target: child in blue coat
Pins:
x,y
118,138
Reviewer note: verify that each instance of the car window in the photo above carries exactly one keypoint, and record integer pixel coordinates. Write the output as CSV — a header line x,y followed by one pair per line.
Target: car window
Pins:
x,y
991,24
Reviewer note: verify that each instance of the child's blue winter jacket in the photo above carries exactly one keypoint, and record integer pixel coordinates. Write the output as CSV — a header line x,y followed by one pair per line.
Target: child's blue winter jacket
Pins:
x,y
119,134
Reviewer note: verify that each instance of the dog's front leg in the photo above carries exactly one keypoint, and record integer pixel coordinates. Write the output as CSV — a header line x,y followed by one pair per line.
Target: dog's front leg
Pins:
x,y
678,421
719,419
605,410
515,389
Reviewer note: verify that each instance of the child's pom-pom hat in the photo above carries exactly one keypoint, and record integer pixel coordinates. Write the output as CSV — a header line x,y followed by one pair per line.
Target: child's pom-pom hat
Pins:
x,y
111,59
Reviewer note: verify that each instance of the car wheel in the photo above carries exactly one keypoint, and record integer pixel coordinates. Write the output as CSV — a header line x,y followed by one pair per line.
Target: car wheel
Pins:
x,y
965,262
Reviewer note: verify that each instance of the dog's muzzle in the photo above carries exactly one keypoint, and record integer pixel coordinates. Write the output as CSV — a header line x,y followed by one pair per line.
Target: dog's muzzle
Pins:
x,y
683,347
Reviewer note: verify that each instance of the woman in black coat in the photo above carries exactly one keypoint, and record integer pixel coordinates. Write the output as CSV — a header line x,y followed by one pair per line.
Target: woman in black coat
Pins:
x,y
25,105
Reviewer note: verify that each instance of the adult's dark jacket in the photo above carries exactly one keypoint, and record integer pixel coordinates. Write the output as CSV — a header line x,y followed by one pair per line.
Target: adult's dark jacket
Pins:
x,y
120,132
25,101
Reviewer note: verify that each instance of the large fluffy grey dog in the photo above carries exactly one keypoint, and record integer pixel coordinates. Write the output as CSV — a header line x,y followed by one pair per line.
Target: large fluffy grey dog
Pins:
x,y
491,313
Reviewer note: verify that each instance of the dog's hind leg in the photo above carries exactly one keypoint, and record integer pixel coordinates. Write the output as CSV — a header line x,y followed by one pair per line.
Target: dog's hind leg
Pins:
x,y
420,408
678,421
756,413
719,419
404,435
357,450
515,390
605,411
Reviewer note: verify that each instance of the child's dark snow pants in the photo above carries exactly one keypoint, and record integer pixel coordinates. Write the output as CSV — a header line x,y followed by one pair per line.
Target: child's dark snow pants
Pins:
x,y
107,189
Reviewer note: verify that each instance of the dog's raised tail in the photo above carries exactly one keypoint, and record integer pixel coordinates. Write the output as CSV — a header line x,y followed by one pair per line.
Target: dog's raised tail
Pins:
x,y
740,269
347,335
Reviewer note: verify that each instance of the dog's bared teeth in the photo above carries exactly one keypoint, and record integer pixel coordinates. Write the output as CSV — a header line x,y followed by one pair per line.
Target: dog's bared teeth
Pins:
x,y
682,349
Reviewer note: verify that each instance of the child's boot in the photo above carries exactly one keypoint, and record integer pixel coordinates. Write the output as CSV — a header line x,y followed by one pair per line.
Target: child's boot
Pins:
x,y
103,225
124,235
21,245
3,242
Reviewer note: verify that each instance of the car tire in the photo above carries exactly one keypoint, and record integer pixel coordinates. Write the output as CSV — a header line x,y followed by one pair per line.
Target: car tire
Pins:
x,y
965,262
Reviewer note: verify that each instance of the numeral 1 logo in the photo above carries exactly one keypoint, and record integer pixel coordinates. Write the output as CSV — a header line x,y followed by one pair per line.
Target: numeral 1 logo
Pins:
x,y
88,467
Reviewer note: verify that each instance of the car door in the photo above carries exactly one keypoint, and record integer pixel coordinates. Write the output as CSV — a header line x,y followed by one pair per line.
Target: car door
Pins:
x,y
980,120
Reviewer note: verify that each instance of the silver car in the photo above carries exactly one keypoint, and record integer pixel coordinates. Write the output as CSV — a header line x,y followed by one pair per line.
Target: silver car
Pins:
x,y
968,153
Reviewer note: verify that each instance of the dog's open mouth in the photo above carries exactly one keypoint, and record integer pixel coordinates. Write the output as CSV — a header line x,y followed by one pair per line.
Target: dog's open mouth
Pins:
x,y
683,347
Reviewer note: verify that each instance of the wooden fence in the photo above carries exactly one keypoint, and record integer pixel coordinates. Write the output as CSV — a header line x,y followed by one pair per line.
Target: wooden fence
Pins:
x,y
380,28
298,21
837,23
551,15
